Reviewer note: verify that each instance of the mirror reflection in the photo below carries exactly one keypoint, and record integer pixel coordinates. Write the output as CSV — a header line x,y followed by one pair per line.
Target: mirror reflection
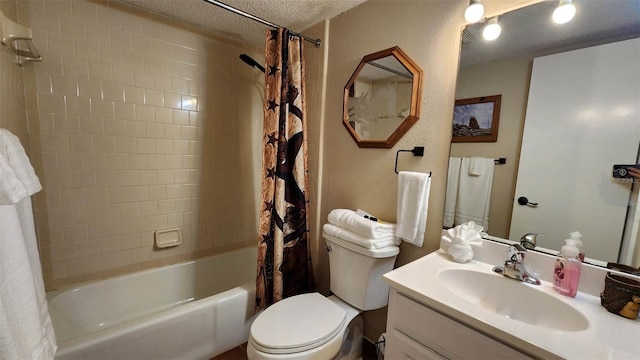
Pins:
x,y
380,99
592,117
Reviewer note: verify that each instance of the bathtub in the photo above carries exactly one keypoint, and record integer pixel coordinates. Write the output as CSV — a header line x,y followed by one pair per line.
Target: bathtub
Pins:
x,y
192,310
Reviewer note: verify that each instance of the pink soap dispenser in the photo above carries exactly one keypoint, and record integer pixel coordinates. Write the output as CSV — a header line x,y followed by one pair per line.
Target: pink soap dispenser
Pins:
x,y
567,269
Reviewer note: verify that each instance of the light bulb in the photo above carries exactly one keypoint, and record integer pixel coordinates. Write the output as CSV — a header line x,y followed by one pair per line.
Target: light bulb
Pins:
x,y
474,12
492,30
564,12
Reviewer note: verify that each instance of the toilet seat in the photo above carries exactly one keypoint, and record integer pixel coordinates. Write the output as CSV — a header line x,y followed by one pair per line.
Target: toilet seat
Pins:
x,y
297,324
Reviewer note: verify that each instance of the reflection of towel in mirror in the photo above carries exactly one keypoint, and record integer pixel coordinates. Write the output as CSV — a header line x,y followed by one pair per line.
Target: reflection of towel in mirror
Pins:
x,y
474,192
412,206
457,241
452,191
476,166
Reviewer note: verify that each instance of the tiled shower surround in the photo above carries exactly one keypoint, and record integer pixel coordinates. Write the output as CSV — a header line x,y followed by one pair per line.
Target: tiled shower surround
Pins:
x,y
137,124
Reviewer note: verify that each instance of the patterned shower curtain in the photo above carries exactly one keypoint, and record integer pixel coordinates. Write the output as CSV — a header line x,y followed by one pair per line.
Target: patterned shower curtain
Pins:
x,y
284,262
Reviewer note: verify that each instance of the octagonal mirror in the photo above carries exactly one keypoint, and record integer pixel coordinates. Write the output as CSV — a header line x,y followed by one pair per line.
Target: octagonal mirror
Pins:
x,y
382,98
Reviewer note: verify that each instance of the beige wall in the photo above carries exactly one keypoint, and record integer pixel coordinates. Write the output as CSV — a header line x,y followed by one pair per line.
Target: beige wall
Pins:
x,y
137,125
509,78
429,32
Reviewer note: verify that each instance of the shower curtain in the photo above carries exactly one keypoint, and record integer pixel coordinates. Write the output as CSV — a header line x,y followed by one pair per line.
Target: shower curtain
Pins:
x,y
284,262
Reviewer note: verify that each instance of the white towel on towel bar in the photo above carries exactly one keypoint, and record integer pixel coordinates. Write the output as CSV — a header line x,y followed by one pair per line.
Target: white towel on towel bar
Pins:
x,y
412,206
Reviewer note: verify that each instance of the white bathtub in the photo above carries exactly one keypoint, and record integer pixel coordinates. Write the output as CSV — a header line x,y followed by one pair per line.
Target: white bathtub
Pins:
x,y
193,310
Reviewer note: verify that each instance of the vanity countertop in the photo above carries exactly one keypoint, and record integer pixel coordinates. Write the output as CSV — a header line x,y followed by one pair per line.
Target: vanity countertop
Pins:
x,y
607,336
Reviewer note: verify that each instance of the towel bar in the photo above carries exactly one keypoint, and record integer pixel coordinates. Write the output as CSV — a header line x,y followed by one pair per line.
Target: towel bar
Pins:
x,y
14,33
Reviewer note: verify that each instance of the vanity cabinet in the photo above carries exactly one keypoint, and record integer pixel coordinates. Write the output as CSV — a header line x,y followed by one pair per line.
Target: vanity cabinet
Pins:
x,y
415,331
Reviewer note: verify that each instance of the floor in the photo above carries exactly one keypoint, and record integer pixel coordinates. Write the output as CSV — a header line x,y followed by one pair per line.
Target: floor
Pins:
x,y
240,352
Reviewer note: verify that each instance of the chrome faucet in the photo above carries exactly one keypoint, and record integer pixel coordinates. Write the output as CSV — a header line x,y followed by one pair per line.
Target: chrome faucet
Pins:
x,y
514,267
529,240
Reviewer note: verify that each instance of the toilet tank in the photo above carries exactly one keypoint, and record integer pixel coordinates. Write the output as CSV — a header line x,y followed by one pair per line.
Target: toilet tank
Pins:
x,y
356,272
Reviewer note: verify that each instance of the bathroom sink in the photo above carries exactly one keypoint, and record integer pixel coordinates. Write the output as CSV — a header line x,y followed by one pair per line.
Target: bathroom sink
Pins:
x,y
513,299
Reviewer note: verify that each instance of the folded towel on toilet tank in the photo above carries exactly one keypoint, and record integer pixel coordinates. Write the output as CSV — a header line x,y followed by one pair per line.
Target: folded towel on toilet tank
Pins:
x,y
369,243
352,221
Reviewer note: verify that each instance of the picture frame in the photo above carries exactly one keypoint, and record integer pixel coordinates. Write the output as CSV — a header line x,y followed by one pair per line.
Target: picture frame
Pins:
x,y
476,119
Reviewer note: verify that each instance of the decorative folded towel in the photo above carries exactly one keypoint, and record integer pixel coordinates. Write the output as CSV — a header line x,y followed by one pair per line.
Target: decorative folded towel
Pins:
x,y
458,241
369,243
350,220
413,203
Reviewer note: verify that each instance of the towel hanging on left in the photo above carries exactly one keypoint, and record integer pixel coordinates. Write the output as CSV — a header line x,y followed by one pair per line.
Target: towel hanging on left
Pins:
x,y
26,331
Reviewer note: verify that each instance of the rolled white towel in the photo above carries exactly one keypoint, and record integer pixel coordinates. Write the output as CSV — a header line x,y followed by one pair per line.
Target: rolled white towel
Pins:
x,y
344,234
350,220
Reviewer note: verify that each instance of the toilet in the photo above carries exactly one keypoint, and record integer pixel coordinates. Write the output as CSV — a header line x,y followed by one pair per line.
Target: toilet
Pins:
x,y
311,326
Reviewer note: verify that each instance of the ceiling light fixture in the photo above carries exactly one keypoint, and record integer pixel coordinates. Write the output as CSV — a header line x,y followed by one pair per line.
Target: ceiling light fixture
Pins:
x,y
564,12
474,12
492,29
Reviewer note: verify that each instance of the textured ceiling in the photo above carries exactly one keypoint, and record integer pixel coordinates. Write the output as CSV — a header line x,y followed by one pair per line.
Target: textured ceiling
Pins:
x,y
530,30
526,31
295,15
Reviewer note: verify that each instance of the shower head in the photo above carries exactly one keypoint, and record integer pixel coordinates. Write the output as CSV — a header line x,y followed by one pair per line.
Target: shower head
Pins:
x,y
249,60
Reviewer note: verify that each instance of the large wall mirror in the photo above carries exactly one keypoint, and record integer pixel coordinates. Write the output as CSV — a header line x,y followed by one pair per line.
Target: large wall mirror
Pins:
x,y
382,98
571,122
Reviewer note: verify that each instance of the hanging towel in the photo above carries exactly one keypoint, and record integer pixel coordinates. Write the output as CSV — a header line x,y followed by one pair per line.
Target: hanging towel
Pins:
x,y
13,152
412,206
452,191
344,234
474,192
350,220
476,166
27,331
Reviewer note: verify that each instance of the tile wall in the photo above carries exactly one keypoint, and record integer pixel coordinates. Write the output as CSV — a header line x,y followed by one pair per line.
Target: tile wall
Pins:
x,y
137,124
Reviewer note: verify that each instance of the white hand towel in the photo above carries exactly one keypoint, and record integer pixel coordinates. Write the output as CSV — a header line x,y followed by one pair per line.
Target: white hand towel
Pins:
x,y
451,195
350,220
476,166
458,241
412,206
352,237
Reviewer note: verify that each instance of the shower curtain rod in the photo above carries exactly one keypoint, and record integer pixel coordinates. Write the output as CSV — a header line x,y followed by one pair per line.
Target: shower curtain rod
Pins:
x,y
316,42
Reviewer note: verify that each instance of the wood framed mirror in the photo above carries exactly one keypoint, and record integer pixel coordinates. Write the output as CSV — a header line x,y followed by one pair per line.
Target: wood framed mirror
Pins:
x,y
382,98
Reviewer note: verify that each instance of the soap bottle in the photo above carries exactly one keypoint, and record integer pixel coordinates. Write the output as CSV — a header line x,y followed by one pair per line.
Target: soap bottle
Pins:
x,y
575,238
567,270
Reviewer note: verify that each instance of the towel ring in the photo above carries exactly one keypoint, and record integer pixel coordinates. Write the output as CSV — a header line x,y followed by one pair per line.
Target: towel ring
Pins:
x,y
416,151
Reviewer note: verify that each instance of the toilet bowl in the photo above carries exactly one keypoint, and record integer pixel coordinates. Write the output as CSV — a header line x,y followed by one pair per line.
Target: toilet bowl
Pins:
x,y
311,326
